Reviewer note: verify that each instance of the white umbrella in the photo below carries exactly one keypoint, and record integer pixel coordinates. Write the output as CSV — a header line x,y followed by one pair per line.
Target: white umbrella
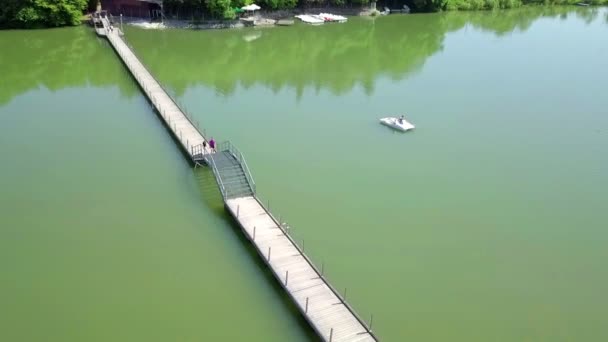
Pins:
x,y
252,7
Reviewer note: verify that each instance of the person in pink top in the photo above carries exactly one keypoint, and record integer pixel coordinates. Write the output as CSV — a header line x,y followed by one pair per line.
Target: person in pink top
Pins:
x,y
212,144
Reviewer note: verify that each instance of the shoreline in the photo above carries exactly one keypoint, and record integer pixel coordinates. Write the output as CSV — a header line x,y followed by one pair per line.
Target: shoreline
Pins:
x,y
262,19
272,18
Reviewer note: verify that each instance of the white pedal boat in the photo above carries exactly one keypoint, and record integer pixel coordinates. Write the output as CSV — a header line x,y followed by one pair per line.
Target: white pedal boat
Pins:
x,y
397,123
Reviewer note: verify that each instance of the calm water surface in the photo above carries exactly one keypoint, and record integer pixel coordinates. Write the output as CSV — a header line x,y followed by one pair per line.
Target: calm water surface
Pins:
x,y
488,223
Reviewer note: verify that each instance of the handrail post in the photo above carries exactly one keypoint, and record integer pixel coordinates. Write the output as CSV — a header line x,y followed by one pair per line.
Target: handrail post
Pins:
x,y
286,277
268,253
306,310
253,233
371,321
331,334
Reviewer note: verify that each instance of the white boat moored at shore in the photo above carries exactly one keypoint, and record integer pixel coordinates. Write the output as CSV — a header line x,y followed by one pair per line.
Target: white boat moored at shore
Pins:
x,y
333,17
317,19
309,19
399,124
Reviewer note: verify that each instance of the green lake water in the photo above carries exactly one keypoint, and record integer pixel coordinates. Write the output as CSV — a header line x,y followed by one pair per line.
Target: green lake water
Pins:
x,y
487,223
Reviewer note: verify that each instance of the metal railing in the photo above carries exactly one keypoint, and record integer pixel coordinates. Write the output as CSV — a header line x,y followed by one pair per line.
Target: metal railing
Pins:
x,y
169,94
216,173
320,272
198,150
228,146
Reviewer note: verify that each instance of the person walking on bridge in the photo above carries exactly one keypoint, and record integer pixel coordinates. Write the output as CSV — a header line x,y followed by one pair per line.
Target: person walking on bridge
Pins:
x,y
212,145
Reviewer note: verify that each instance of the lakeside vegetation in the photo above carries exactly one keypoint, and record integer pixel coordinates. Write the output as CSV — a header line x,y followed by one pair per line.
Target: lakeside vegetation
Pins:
x,y
56,13
41,13
228,9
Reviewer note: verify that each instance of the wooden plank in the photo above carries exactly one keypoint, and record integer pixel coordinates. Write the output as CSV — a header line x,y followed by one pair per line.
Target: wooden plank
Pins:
x,y
325,310
182,128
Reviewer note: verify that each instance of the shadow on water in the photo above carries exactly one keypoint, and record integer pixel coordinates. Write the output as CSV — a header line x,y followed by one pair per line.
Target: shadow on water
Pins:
x,y
210,193
334,57
212,197
502,23
58,59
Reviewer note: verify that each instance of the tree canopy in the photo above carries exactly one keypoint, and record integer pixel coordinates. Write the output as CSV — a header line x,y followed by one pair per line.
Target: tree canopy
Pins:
x,y
41,13
53,13
225,9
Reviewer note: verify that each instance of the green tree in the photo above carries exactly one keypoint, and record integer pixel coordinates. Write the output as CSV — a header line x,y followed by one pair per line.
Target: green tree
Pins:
x,y
430,5
288,3
220,9
241,3
280,4
41,13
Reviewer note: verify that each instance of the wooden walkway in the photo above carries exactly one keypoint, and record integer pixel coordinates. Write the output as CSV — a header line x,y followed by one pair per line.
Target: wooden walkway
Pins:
x,y
184,129
324,308
326,311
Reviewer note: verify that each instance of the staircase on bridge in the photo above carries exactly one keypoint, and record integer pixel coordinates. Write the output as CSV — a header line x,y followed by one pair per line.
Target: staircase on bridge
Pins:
x,y
230,173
